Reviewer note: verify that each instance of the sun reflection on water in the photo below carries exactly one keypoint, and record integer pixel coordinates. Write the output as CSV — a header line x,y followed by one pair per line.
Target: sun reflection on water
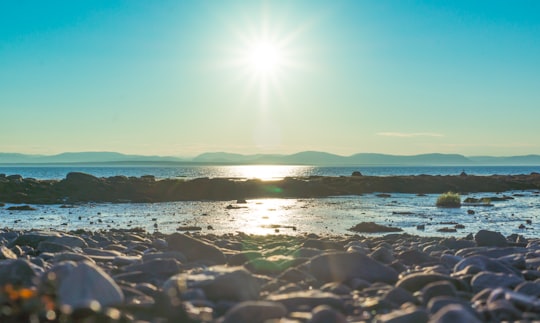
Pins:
x,y
266,172
266,216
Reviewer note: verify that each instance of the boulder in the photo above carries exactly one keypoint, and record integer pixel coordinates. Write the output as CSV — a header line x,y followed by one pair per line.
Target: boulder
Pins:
x,y
21,208
399,296
308,298
373,227
342,266
484,263
454,313
33,239
78,179
254,311
158,267
19,272
416,281
217,282
5,253
435,289
487,279
240,258
47,246
408,315
87,286
416,257
490,239
326,314
195,249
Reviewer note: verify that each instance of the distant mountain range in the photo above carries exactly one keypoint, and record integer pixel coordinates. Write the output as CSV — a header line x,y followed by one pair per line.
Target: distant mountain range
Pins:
x,y
302,158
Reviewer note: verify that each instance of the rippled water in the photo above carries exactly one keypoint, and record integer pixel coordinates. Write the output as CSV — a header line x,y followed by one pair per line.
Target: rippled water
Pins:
x,y
257,171
334,215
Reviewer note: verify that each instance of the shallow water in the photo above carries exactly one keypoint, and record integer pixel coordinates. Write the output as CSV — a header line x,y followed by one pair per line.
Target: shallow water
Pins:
x,y
333,215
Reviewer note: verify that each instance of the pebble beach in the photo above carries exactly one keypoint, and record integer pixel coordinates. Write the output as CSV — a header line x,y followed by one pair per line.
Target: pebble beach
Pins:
x,y
137,276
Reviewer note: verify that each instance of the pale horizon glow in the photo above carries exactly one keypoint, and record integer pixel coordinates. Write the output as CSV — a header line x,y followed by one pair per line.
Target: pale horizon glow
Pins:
x,y
180,78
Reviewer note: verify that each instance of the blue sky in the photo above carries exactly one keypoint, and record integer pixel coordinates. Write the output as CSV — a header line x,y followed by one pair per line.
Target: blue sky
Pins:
x,y
177,78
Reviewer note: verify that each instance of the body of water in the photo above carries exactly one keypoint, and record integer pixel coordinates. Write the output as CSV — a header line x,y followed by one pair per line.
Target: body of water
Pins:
x,y
258,171
332,215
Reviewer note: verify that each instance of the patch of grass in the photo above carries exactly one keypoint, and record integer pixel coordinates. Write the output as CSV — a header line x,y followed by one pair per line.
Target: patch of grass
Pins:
x,y
449,199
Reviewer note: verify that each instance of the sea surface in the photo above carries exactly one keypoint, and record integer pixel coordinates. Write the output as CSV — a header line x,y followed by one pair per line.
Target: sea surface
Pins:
x,y
266,172
332,215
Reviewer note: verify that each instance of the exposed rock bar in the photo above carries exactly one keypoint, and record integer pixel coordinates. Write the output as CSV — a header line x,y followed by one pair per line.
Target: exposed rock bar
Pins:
x,y
80,187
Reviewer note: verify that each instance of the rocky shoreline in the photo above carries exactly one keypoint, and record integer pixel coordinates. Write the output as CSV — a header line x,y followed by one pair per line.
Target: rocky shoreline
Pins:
x,y
80,187
128,276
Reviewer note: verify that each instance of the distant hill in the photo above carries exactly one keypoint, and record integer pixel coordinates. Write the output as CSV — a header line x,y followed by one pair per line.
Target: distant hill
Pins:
x,y
315,158
511,160
424,159
81,157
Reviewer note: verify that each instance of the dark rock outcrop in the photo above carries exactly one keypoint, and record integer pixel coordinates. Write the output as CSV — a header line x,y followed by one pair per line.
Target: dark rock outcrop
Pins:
x,y
80,187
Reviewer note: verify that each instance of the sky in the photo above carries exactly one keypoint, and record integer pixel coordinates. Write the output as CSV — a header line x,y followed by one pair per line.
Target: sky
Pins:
x,y
180,78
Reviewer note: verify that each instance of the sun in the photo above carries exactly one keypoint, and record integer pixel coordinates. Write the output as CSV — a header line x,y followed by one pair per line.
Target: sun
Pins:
x,y
264,57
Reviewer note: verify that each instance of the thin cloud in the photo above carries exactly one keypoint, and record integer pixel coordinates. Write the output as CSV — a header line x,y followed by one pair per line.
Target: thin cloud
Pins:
x,y
409,134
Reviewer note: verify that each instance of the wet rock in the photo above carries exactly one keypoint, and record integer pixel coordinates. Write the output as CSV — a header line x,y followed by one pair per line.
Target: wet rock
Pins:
x,y
409,315
47,246
341,266
437,303
310,299
6,253
382,254
33,239
529,288
503,310
373,227
336,288
454,313
241,258
217,282
449,260
263,266
70,256
85,285
457,244
490,239
399,296
195,249
326,314
21,208
122,261
322,244
487,279
484,263
416,281
523,302
416,257
295,275
441,288
102,253
447,230
254,311
164,255
18,272
158,267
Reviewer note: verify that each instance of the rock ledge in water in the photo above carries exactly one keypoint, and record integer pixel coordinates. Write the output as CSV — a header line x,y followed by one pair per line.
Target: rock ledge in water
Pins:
x,y
373,227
